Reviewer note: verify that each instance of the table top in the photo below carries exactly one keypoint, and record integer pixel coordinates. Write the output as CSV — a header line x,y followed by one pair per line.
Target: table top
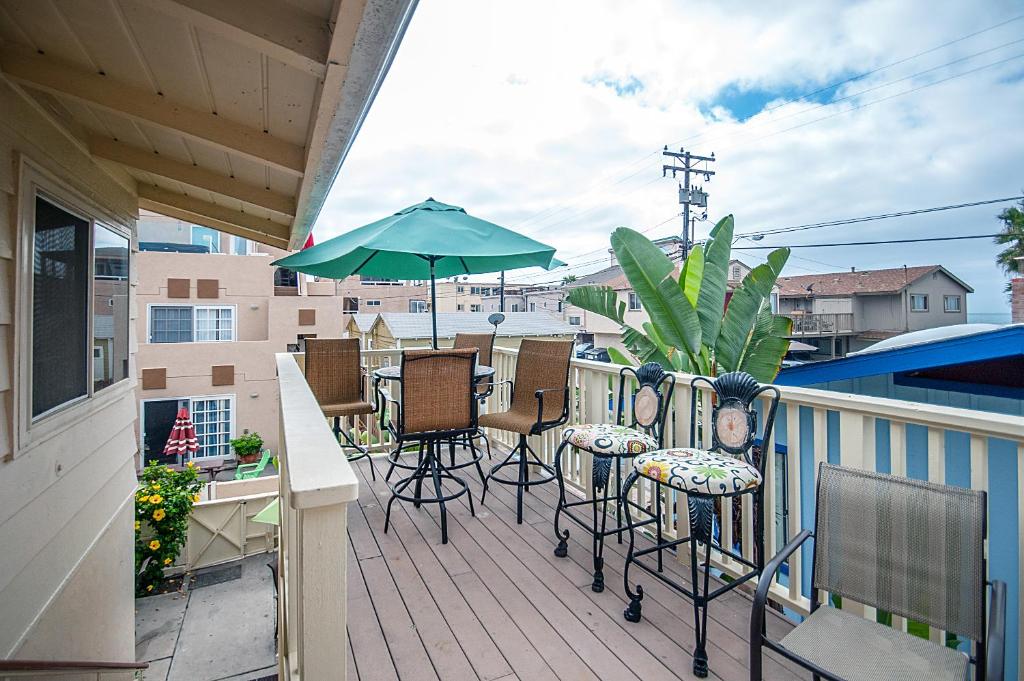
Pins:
x,y
394,372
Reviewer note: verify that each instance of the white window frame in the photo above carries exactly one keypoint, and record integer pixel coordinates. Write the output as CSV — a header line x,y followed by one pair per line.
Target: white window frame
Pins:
x,y
420,305
371,303
248,245
35,180
945,304
578,322
634,302
515,307
234,322
919,295
191,399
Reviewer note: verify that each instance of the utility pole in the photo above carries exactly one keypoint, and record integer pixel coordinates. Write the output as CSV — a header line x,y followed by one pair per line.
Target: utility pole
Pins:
x,y
685,162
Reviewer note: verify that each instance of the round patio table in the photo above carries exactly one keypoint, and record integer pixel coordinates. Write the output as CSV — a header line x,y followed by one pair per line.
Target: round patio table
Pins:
x,y
394,373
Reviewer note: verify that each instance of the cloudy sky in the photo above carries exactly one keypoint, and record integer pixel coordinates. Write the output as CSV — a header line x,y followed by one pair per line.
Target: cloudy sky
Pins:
x,y
549,117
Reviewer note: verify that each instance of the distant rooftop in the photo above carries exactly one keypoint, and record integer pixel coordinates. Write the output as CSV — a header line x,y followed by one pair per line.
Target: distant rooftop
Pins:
x,y
409,325
364,320
865,282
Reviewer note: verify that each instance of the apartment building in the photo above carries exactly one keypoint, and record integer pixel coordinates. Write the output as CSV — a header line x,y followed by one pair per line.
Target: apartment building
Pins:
x,y
212,312
841,312
373,294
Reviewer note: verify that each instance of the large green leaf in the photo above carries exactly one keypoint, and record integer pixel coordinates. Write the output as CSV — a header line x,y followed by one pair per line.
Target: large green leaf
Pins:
x,y
693,272
618,358
711,297
764,357
649,272
643,348
739,323
602,300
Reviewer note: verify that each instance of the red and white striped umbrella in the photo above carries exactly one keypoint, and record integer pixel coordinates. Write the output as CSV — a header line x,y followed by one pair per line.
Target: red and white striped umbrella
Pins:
x,y
182,440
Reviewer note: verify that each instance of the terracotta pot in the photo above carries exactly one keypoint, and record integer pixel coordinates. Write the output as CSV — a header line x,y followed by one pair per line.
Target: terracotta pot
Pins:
x,y
249,458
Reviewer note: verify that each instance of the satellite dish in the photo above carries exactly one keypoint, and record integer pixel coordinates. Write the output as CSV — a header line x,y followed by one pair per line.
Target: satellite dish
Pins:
x,y
495,319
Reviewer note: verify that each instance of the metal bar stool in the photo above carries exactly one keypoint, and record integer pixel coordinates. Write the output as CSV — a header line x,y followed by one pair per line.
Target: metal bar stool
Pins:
x,y
725,471
437,405
610,444
539,402
335,374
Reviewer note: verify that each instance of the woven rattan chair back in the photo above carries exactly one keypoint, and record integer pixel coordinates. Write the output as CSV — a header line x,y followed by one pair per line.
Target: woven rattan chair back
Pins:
x,y
907,547
333,370
484,343
542,365
437,391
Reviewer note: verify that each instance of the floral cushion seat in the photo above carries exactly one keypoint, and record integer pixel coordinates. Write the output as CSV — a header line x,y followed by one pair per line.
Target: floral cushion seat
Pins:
x,y
609,440
698,471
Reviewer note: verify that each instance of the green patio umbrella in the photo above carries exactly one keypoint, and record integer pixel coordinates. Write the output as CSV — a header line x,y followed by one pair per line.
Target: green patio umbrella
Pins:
x,y
428,240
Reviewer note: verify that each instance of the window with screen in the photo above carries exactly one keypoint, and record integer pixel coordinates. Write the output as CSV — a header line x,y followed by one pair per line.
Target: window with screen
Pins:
x,y
170,324
918,302
191,324
109,307
951,303
60,305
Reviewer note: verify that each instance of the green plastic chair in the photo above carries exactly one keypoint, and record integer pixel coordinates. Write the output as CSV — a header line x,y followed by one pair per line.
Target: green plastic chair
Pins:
x,y
248,471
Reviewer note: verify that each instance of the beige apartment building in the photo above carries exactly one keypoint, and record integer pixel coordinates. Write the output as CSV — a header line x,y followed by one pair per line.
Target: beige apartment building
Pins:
x,y
108,108
374,295
212,313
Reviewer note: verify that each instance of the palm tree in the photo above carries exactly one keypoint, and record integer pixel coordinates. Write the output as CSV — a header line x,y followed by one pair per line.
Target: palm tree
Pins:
x,y
1011,258
568,279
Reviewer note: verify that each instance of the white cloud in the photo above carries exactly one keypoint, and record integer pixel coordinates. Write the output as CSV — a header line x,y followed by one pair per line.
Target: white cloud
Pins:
x,y
504,108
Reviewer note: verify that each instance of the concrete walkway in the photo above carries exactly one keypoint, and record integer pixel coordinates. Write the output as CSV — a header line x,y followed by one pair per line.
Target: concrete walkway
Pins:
x,y
220,632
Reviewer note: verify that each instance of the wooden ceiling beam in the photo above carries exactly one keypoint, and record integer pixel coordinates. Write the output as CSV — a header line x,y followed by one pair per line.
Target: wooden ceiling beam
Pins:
x,y
275,28
61,78
191,175
217,217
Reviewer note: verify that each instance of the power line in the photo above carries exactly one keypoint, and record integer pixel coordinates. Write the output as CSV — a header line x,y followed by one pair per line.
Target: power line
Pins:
x,y
882,216
870,243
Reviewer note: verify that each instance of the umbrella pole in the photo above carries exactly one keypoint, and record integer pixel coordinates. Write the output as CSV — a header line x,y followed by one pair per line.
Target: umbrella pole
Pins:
x,y
433,305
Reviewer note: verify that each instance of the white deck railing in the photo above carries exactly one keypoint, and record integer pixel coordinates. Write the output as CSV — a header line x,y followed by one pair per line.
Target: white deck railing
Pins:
x,y
958,446
316,486
941,444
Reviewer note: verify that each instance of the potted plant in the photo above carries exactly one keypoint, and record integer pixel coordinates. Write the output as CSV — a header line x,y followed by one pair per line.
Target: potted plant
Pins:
x,y
247,447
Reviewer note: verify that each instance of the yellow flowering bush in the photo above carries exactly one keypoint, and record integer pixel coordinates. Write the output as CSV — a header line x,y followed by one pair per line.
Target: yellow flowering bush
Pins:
x,y
162,507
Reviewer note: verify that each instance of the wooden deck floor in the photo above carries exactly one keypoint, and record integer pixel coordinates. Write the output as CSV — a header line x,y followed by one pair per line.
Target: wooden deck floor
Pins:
x,y
496,604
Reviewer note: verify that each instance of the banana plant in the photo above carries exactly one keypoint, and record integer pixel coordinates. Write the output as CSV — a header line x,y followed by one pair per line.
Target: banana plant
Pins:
x,y
691,329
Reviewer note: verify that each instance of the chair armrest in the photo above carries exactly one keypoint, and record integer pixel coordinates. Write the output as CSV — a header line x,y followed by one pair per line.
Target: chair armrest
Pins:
x,y
382,406
995,655
541,423
761,601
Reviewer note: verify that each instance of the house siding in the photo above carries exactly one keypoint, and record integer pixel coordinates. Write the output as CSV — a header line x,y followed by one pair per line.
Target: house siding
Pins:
x,y
935,286
66,483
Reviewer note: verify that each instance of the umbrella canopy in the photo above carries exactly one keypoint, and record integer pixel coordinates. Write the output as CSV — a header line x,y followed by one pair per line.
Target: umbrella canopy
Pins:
x,y
271,513
428,240
182,439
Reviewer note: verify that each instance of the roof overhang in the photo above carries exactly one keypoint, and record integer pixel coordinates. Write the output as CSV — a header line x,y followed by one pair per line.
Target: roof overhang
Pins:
x,y
237,114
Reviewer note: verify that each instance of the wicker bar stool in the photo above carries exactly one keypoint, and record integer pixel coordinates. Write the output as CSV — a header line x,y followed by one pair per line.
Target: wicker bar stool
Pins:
x,y
336,376
437,405
728,470
484,344
609,444
539,402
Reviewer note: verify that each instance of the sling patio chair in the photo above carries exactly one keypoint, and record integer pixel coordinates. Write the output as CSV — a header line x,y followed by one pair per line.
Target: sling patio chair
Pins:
x,y
539,402
335,374
707,478
437,405
609,445
909,548
484,344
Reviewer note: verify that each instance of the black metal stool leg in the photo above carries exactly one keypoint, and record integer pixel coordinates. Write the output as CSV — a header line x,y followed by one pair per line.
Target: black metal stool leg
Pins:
x,y
562,550
702,511
524,476
599,536
632,612
434,455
